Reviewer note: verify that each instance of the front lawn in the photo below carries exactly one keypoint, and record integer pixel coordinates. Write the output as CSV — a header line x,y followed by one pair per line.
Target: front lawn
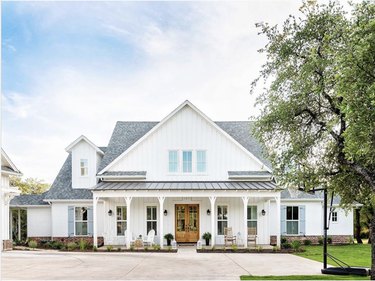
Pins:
x,y
354,255
305,277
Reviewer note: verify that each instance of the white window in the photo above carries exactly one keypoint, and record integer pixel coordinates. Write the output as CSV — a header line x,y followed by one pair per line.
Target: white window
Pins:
x,y
292,220
173,161
222,219
187,161
252,217
334,216
121,220
201,161
80,221
151,219
84,167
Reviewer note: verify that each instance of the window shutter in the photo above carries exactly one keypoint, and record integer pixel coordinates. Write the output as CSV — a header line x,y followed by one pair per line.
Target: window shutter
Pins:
x,y
302,221
70,221
283,220
90,230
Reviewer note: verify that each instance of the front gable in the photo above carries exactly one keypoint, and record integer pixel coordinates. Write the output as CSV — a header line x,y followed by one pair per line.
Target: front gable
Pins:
x,y
186,128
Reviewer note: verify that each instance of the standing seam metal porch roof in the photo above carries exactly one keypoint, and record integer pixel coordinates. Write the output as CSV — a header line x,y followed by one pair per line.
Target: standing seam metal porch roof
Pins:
x,y
187,185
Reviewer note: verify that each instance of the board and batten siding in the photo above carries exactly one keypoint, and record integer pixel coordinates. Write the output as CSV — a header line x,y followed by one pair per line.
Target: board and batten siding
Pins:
x,y
186,130
83,150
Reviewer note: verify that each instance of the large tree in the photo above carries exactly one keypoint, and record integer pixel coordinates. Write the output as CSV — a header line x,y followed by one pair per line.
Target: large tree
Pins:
x,y
317,116
29,185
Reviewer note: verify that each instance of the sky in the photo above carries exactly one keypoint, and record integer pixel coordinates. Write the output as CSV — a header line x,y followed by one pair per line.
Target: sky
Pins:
x,y
75,68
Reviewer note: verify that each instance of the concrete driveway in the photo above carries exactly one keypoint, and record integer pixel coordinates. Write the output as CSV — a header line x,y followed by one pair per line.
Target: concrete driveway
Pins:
x,y
186,264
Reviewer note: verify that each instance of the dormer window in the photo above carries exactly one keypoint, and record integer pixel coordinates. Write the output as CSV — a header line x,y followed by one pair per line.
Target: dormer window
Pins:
x,y
187,161
84,167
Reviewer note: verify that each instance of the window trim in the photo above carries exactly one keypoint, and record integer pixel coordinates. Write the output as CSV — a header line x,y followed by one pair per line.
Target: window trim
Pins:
x,y
286,221
205,162
252,220
83,167
192,162
217,217
337,216
156,220
178,161
116,220
87,221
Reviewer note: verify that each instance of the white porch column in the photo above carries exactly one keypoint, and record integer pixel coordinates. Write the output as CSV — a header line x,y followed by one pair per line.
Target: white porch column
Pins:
x,y
19,225
95,221
128,222
278,219
245,200
213,235
161,220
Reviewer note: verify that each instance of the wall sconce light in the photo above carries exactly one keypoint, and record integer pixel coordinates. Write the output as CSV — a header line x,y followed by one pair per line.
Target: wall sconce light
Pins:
x,y
263,212
208,212
165,212
110,213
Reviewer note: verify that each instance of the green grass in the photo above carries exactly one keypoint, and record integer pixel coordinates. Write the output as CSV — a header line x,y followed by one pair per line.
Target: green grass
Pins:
x,y
305,277
354,255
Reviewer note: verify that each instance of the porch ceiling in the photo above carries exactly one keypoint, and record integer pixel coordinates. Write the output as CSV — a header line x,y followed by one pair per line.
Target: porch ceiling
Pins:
x,y
192,185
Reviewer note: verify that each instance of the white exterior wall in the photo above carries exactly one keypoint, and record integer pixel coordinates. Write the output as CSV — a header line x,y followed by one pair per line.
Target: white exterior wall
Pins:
x,y
187,130
83,150
314,218
39,222
59,216
138,221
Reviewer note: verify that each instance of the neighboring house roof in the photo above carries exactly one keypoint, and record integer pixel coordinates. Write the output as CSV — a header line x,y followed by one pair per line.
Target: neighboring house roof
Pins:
x,y
295,194
28,200
169,116
187,185
7,166
61,188
83,138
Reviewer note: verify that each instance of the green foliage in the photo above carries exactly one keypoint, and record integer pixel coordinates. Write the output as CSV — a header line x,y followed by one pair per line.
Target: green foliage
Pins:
x,y
71,246
329,240
307,242
83,245
320,241
132,248
275,249
206,236
94,248
168,236
33,244
156,247
29,185
259,249
296,245
109,248
317,117
234,247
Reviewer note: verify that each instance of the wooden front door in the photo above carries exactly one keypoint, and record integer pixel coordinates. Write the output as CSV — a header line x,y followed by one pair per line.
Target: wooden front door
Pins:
x,y
187,223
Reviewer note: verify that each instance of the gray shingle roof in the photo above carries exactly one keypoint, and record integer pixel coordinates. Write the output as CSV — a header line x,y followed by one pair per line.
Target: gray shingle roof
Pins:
x,y
62,186
188,185
241,131
28,200
290,193
124,135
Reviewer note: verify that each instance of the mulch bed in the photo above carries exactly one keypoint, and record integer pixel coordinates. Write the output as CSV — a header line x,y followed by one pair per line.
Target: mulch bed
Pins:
x,y
248,251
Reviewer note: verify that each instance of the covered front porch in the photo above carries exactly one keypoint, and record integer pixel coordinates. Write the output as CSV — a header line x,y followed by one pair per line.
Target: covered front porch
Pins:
x,y
131,210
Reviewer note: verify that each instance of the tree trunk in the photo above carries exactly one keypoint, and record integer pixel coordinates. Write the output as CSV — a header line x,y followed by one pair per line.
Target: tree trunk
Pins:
x,y
373,247
358,225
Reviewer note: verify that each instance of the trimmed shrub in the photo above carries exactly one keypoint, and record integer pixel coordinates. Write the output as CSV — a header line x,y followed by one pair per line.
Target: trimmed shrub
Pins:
x,y
33,244
307,242
156,247
94,248
109,248
234,247
83,245
275,249
71,246
296,245
329,240
286,245
320,241
283,240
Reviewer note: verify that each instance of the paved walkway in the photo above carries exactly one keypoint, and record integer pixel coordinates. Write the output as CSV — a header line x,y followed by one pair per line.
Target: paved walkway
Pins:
x,y
186,264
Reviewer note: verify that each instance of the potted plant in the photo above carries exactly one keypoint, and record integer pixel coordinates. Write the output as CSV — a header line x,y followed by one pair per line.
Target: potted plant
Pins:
x,y
169,237
207,236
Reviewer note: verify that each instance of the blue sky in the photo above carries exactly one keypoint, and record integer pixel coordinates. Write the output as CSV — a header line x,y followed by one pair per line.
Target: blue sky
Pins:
x,y
72,68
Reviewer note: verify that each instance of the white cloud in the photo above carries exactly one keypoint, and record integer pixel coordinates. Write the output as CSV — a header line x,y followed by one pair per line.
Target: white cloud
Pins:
x,y
206,52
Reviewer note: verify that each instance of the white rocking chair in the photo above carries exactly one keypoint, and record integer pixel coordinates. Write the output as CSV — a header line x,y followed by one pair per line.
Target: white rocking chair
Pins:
x,y
149,240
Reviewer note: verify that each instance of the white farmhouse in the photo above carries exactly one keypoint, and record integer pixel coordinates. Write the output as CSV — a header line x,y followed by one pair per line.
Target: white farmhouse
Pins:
x,y
7,192
185,175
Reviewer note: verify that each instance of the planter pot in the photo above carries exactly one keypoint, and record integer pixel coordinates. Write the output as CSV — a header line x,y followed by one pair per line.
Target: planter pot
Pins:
x,y
207,242
169,242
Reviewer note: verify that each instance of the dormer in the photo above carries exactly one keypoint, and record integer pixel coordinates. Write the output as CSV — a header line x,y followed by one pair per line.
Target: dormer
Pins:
x,y
86,157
